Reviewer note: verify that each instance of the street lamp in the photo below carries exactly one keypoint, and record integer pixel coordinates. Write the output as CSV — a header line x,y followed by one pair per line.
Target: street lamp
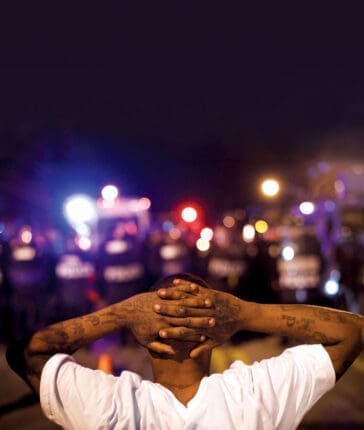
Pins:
x,y
270,187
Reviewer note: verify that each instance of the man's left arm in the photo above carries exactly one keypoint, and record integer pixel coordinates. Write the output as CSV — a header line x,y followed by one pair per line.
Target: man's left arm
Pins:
x,y
27,358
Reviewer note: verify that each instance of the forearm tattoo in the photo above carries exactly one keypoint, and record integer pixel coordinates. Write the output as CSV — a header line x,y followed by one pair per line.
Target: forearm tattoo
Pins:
x,y
309,326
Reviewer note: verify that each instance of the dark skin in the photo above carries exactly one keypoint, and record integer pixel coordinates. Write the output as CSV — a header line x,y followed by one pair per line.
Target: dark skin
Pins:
x,y
341,333
28,358
182,324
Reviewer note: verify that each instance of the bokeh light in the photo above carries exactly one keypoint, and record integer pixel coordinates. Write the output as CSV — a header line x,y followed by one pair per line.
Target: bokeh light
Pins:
x,y
307,208
207,233
261,226
79,209
248,233
189,214
109,192
202,244
288,253
270,187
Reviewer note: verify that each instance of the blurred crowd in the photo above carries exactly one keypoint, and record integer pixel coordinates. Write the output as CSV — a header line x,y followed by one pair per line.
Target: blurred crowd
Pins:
x,y
47,275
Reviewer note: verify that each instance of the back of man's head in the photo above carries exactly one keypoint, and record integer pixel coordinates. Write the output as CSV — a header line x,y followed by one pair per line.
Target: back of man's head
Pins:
x,y
167,281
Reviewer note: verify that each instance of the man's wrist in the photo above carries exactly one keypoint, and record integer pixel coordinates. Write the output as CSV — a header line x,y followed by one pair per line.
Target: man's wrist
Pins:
x,y
248,312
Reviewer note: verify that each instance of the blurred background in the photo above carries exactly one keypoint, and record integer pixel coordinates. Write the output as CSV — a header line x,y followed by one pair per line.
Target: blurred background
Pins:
x,y
111,178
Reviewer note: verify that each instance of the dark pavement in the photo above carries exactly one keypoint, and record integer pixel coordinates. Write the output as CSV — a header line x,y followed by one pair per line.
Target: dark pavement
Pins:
x,y
342,408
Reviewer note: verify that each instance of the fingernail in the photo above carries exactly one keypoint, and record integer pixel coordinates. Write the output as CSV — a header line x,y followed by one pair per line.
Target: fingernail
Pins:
x,y
175,281
162,292
157,307
207,302
162,334
202,338
193,286
211,321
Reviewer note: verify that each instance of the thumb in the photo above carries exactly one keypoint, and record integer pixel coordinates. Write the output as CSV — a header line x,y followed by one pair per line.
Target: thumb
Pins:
x,y
208,345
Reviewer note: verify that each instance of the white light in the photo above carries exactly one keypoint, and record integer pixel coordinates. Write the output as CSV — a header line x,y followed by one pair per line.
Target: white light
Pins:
x,y
24,253
170,252
270,187
248,233
83,229
26,235
79,209
307,208
287,253
331,287
71,267
189,214
116,247
207,233
202,244
84,243
144,203
109,192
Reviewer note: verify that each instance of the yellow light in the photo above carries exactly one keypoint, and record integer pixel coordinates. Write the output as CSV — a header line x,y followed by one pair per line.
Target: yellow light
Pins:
x,y
270,187
261,226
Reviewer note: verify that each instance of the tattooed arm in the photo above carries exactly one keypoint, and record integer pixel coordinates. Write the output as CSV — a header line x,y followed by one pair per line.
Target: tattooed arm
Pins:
x,y
340,332
28,357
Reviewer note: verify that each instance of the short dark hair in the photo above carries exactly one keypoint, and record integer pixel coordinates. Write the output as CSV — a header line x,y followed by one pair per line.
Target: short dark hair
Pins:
x,y
167,281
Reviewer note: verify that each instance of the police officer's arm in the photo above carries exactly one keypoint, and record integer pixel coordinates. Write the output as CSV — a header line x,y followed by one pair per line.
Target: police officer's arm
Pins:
x,y
28,357
341,333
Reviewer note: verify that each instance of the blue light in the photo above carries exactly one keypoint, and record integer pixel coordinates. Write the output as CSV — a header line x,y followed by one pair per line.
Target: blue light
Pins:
x,y
331,287
167,226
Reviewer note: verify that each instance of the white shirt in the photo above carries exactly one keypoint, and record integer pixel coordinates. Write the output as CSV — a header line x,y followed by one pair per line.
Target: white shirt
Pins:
x,y
270,394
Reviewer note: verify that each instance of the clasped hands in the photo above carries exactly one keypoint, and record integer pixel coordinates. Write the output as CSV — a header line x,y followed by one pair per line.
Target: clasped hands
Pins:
x,y
188,312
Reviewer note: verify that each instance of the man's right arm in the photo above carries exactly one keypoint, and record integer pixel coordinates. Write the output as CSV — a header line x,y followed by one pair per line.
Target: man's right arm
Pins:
x,y
340,332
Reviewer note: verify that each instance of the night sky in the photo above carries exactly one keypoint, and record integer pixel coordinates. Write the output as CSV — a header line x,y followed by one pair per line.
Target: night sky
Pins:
x,y
74,115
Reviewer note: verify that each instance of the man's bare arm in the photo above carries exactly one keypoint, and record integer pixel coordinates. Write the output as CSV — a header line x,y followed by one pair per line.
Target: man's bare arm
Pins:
x,y
27,358
339,332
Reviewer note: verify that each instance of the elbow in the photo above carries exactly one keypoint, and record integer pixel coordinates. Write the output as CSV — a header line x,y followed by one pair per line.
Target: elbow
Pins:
x,y
351,347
